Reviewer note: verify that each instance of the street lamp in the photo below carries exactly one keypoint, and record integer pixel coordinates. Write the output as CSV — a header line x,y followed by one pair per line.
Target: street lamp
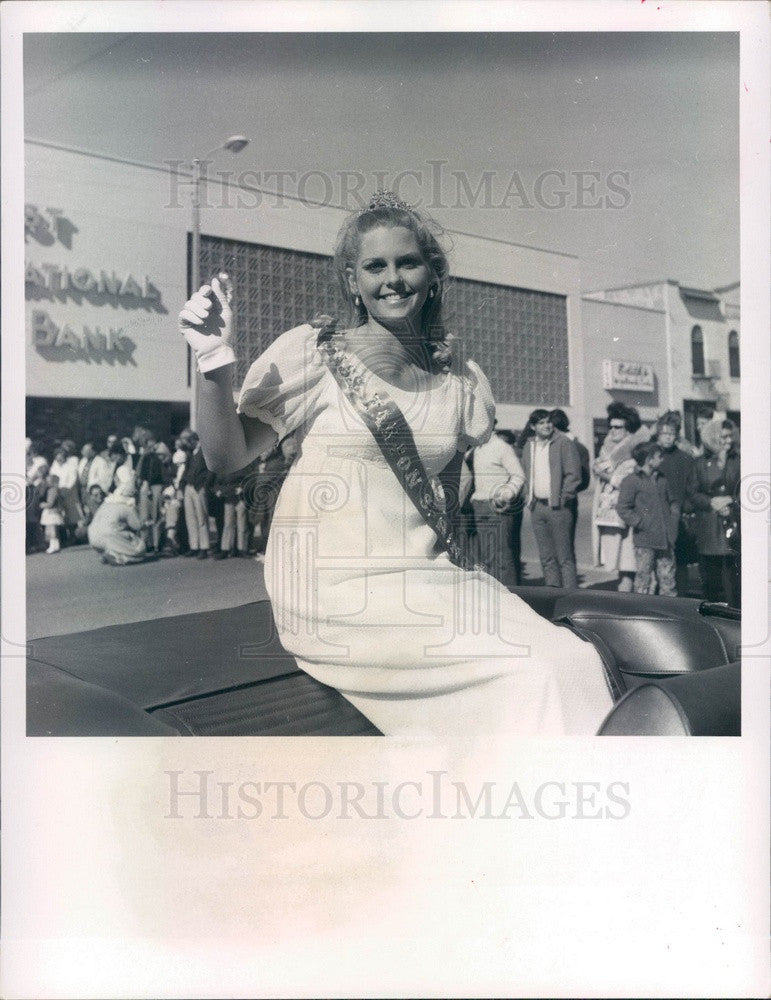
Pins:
x,y
234,145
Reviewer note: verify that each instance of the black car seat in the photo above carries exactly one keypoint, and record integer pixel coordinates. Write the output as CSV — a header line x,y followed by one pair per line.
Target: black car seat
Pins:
x,y
707,703
665,638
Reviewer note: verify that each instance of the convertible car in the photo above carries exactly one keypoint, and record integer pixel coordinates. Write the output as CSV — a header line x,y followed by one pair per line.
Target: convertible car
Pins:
x,y
672,664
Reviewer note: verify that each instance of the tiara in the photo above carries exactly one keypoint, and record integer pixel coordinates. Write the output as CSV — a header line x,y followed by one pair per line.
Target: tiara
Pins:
x,y
386,199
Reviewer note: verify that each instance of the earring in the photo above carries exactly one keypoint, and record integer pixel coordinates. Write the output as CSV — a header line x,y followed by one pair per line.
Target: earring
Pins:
x,y
357,301
431,292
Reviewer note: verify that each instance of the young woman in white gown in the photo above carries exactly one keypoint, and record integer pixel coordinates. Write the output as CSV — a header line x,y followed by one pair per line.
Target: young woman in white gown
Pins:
x,y
363,595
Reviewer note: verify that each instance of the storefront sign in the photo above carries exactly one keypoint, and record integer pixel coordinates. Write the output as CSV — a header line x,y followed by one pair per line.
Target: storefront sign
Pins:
x,y
50,225
82,281
634,375
68,337
47,336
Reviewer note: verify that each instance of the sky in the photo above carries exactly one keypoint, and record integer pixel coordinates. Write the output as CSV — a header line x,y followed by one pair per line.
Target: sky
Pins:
x,y
622,149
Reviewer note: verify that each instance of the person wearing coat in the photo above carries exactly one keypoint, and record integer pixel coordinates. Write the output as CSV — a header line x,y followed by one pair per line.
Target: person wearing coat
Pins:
x,y
561,422
150,481
196,481
115,531
611,539
715,502
646,504
679,470
553,471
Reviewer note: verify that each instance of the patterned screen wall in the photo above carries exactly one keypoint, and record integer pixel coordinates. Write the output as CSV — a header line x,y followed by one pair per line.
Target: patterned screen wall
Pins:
x,y
518,336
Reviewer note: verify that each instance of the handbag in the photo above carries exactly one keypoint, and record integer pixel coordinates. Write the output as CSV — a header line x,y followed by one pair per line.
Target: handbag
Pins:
x,y
731,527
605,515
393,436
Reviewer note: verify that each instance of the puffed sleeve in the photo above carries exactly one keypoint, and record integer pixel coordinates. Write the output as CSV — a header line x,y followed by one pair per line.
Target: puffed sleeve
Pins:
x,y
477,407
283,387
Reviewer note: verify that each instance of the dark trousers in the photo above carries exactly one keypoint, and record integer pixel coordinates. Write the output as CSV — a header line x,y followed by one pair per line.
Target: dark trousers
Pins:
x,y
499,542
721,579
552,528
572,506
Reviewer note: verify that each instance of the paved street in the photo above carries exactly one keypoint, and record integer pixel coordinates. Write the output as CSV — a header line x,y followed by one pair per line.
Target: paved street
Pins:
x,y
74,590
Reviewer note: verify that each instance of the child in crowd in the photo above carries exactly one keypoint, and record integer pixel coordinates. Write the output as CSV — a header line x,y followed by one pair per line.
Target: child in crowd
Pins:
x,y
52,514
645,503
91,504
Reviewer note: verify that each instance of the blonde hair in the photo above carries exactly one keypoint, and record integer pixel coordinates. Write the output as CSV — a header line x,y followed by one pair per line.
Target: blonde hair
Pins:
x,y
347,249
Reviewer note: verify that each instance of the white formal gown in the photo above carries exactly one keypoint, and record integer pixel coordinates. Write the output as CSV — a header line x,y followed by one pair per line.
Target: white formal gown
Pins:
x,y
361,596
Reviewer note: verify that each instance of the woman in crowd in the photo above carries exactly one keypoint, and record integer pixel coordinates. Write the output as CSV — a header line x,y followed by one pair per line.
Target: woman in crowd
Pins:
x,y
65,468
115,530
717,512
611,538
85,462
678,468
35,459
364,591
37,482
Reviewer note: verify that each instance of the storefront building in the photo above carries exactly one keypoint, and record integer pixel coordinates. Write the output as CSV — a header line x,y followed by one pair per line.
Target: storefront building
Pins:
x,y
107,270
662,346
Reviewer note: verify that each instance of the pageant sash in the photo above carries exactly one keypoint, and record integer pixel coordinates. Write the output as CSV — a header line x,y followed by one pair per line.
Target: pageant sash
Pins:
x,y
393,435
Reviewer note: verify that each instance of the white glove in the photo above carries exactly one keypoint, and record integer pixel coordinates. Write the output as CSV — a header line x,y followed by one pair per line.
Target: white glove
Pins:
x,y
206,322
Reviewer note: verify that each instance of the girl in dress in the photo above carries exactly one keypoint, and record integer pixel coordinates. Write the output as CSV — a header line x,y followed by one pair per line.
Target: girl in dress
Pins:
x,y
52,514
364,593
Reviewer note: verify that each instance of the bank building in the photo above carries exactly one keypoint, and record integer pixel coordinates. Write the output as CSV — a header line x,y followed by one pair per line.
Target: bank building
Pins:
x,y
108,266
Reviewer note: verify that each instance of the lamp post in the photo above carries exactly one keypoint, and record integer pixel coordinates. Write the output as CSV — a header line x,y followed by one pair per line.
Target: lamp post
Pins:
x,y
234,145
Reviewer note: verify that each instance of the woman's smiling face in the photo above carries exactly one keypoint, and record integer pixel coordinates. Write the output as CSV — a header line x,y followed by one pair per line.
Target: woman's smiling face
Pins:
x,y
391,276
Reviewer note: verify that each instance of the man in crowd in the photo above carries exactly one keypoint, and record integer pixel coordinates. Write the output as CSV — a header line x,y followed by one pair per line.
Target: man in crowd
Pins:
x,y
196,481
553,471
87,455
262,486
498,481
149,471
704,414
561,423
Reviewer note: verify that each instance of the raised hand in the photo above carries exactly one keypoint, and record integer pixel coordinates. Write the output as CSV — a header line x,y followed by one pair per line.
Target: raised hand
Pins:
x,y
206,322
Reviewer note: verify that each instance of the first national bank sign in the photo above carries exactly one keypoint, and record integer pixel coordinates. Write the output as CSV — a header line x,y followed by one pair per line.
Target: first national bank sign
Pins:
x,y
48,282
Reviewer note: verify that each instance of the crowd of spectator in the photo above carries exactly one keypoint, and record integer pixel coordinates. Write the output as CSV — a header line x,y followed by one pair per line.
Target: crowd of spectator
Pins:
x,y
660,504
137,498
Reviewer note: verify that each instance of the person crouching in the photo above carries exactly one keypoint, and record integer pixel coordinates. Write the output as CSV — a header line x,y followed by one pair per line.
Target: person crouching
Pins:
x,y
645,503
115,531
